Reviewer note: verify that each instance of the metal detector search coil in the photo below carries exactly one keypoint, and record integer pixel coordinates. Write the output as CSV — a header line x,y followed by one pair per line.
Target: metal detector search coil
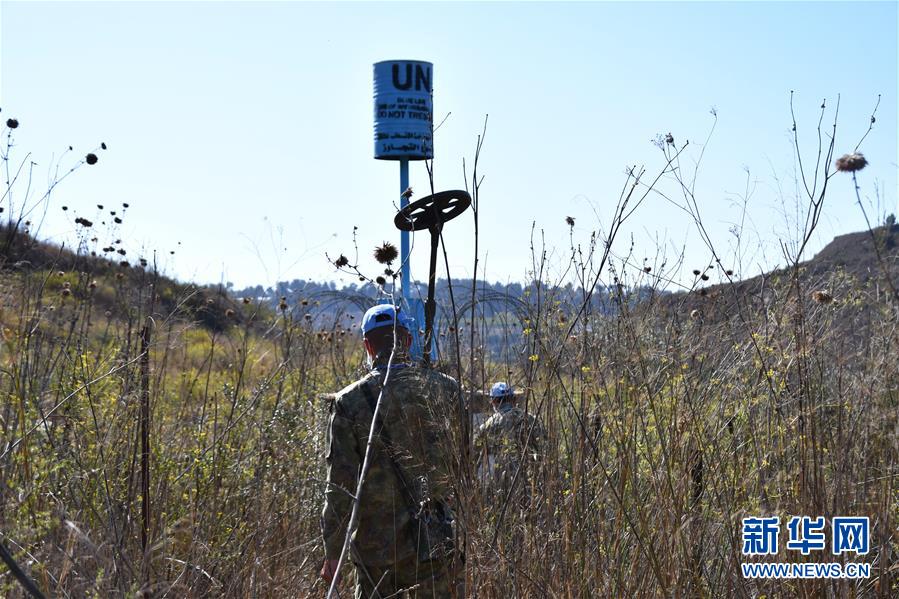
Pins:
x,y
432,211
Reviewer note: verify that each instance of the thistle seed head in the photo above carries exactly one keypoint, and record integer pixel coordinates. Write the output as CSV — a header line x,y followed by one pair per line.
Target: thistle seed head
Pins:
x,y
822,297
849,163
386,253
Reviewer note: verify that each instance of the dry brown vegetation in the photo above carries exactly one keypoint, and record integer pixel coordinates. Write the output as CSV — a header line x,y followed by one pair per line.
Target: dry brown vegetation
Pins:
x,y
161,440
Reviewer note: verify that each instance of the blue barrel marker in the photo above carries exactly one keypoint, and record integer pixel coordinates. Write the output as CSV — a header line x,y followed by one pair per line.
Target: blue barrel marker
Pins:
x,y
403,115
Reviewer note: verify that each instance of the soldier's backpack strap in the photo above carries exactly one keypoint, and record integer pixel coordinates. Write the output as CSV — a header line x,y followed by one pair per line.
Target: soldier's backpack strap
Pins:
x,y
385,436
432,533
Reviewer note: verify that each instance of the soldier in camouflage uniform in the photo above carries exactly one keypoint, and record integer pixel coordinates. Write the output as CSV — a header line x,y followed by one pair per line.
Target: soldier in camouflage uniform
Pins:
x,y
418,414
508,438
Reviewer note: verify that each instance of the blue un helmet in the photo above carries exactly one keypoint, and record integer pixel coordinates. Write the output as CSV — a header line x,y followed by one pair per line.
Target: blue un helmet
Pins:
x,y
501,390
384,315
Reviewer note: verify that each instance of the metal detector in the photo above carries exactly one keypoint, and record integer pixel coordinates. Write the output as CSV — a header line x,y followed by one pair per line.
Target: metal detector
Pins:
x,y
431,213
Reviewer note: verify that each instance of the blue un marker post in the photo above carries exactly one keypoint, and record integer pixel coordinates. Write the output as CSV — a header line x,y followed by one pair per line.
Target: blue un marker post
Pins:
x,y
403,116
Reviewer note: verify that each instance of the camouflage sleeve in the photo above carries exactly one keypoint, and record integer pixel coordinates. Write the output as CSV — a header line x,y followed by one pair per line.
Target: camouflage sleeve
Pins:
x,y
537,435
479,438
481,450
343,468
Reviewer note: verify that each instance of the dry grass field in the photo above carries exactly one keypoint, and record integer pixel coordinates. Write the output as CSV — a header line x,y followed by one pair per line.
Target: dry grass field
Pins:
x,y
159,439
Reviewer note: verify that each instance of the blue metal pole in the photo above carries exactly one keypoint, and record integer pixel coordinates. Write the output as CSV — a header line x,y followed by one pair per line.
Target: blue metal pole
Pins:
x,y
406,277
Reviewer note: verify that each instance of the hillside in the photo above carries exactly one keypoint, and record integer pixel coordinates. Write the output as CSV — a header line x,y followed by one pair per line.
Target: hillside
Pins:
x,y
835,274
107,282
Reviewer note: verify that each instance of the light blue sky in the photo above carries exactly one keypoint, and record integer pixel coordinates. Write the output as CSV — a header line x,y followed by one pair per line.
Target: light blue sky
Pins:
x,y
244,131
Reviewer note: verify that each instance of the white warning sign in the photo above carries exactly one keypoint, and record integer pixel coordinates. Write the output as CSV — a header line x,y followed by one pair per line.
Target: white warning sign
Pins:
x,y
404,110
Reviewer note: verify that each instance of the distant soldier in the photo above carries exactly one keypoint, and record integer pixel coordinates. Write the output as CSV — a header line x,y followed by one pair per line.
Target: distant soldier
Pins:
x,y
404,537
507,439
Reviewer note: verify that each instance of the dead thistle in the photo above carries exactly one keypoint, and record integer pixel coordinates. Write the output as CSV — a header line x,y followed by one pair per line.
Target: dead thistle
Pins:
x,y
386,253
849,163
822,297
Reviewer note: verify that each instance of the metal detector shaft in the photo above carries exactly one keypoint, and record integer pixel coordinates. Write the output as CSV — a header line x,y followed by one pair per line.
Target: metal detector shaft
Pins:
x,y
430,213
431,304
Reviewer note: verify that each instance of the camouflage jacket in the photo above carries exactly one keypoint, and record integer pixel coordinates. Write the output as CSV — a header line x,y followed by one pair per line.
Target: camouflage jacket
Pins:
x,y
419,411
501,440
